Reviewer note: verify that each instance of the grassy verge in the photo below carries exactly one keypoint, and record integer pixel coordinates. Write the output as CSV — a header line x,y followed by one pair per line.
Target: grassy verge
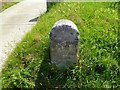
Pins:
x,y
29,64
6,5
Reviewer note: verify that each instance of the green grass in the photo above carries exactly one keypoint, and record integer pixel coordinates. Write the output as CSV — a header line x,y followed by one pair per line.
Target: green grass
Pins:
x,y
29,64
0,81
7,5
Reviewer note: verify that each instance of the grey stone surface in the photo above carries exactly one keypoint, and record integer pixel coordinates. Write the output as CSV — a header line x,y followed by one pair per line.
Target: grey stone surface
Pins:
x,y
64,43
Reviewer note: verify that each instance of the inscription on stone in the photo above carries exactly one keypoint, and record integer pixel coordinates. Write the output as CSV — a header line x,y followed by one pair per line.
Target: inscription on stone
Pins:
x,y
64,43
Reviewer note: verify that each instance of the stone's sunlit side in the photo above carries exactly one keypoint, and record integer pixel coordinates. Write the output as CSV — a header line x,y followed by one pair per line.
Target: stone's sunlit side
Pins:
x,y
64,43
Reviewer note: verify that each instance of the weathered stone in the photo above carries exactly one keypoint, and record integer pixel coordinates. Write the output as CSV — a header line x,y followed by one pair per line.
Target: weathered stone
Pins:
x,y
64,43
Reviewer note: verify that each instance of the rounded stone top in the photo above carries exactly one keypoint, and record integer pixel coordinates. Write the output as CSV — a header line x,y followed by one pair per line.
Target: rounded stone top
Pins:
x,y
64,31
65,22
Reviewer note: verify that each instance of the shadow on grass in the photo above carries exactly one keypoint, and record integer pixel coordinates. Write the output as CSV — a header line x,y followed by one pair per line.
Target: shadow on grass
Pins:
x,y
49,76
50,5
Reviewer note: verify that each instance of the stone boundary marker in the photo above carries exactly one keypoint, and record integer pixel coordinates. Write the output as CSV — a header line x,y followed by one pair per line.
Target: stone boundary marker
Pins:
x,y
64,44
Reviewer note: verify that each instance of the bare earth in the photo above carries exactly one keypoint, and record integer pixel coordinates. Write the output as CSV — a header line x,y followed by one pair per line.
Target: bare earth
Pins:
x,y
15,22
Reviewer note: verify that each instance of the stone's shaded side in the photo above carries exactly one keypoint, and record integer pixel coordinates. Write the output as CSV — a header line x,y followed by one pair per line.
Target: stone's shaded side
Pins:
x,y
64,43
